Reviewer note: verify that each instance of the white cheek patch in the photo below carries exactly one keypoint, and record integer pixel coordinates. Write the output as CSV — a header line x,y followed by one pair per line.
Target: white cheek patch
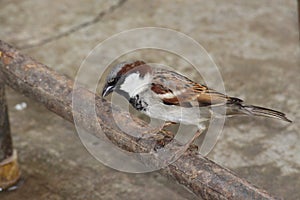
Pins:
x,y
134,84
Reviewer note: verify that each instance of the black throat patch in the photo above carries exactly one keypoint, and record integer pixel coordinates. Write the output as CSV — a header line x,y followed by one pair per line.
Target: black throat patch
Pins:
x,y
138,103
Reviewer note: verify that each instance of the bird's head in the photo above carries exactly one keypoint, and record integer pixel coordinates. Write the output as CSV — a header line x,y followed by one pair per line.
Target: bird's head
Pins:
x,y
125,78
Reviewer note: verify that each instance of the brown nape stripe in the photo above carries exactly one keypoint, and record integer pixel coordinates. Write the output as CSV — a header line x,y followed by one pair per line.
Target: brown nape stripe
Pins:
x,y
138,65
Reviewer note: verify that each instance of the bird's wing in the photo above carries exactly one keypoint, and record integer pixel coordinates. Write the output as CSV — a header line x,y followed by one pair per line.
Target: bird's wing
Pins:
x,y
176,89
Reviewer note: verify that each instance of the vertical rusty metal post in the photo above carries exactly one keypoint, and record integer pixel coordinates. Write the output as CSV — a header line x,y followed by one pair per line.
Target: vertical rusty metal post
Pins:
x,y
6,149
299,17
9,170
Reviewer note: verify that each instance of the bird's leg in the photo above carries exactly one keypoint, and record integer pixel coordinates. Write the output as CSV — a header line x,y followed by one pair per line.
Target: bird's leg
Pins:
x,y
168,123
165,137
162,136
168,133
173,150
189,144
164,133
156,130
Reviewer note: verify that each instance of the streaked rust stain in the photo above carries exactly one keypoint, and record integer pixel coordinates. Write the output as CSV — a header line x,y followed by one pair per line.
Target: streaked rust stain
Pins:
x,y
29,66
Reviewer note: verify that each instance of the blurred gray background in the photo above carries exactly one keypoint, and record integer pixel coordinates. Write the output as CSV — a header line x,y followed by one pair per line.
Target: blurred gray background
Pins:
x,y
254,43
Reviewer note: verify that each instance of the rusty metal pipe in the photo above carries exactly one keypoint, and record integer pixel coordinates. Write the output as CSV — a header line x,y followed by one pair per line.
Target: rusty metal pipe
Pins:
x,y
201,175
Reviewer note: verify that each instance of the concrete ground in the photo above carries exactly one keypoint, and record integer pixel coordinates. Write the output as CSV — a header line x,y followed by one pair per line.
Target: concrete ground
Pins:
x,y
254,43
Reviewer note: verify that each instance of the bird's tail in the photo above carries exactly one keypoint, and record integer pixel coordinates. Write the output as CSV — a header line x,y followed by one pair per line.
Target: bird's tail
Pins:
x,y
261,111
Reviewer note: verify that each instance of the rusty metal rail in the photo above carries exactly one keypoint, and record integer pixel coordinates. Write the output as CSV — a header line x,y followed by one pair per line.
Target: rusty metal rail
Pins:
x,y
201,175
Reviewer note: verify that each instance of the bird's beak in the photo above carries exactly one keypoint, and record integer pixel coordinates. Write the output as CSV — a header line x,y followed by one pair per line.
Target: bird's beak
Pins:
x,y
107,90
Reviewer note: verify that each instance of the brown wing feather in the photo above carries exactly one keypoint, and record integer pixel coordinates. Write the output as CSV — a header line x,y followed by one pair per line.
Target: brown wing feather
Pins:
x,y
176,89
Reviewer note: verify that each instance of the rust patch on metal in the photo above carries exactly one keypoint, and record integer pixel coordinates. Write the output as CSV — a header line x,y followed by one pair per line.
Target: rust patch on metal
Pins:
x,y
7,57
9,172
6,60
29,66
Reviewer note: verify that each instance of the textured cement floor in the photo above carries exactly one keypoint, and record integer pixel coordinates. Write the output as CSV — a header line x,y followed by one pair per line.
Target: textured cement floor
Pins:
x,y
254,43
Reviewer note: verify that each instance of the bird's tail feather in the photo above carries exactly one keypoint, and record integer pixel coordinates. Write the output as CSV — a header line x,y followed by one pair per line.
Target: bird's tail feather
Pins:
x,y
265,112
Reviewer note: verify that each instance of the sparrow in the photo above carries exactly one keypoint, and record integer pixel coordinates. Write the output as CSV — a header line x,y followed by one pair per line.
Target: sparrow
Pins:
x,y
170,96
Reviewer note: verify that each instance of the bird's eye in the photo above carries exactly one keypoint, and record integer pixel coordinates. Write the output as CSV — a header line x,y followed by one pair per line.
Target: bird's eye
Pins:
x,y
111,81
